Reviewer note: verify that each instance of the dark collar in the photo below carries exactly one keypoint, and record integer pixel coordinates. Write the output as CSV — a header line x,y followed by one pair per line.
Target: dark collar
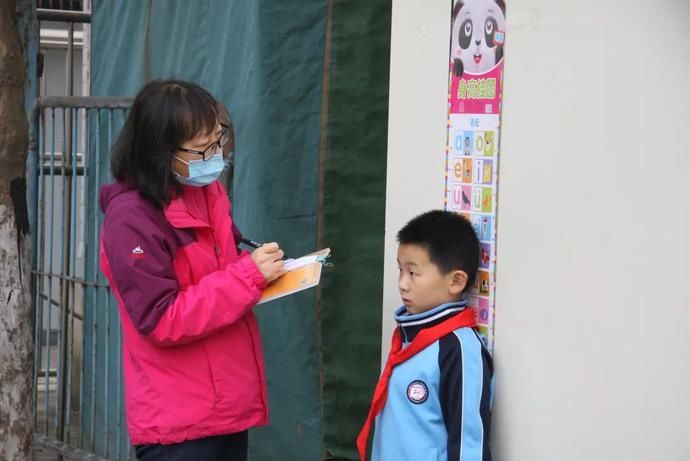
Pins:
x,y
411,324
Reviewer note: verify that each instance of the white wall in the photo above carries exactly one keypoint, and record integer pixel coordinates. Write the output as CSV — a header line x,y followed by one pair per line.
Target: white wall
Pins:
x,y
418,110
593,289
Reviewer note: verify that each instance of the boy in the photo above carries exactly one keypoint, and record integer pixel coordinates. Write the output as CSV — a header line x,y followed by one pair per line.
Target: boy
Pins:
x,y
433,400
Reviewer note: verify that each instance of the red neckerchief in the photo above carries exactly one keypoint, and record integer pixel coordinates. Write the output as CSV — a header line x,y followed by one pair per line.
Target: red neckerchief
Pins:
x,y
396,356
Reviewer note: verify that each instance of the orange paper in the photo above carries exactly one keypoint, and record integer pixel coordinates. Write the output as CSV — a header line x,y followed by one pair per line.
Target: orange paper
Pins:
x,y
295,280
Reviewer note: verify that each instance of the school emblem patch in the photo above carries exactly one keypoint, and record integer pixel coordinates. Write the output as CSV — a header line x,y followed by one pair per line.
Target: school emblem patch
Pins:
x,y
417,391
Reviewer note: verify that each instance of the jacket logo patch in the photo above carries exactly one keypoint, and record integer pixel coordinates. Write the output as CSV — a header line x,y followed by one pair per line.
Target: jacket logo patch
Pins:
x,y
137,253
417,392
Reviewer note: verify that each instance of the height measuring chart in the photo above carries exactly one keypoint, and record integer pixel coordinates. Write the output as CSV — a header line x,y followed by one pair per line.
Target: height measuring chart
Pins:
x,y
475,85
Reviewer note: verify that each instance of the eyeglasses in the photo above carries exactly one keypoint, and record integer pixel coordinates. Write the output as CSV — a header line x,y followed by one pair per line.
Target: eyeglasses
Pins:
x,y
212,148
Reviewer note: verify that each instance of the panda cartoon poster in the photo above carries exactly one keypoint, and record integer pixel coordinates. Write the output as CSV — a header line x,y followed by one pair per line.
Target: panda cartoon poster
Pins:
x,y
475,84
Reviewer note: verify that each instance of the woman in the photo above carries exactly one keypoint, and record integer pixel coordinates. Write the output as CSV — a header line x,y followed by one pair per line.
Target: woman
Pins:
x,y
192,358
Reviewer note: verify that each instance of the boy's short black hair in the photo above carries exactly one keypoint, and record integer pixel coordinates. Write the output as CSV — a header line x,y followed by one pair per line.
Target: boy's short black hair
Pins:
x,y
449,238
164,115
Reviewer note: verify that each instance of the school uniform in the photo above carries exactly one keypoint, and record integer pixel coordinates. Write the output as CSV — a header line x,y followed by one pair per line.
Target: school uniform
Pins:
x,y
438,400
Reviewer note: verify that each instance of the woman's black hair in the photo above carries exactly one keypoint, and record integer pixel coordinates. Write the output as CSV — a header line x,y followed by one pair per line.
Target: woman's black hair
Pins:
x,y
164,115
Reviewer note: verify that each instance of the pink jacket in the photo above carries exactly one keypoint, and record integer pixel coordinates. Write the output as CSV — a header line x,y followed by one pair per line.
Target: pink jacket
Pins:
x,y
192,358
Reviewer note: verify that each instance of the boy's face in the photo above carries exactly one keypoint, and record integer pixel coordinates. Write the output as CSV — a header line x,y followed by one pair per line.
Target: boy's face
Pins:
x,y
422,286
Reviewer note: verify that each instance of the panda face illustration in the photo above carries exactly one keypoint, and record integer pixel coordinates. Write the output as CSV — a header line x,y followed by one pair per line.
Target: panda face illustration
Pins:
x,y
478,35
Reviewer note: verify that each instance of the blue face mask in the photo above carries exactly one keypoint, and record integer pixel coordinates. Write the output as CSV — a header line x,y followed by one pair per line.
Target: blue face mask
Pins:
x,y
202,173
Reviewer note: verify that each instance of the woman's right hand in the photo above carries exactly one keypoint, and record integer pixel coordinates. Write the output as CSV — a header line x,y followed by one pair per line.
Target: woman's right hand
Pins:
x,y
268,258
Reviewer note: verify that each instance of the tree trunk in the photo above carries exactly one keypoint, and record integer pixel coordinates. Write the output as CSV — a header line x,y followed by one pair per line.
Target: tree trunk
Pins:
x,y
16,319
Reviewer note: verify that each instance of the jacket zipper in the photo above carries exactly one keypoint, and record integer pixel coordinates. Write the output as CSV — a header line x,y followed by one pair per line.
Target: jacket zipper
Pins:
x,y
216,248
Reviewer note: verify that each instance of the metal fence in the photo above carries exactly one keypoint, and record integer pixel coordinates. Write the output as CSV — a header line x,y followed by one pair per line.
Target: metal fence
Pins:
x,y
77,378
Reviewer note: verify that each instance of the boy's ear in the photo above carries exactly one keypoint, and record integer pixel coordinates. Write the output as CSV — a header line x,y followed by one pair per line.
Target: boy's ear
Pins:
x,y
458,282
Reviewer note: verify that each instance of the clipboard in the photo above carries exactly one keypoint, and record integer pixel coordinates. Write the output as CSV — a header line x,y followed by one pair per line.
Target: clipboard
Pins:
x,y
303,273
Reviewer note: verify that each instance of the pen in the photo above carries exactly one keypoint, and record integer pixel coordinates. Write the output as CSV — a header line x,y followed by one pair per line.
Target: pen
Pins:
x,y
250,243
253,244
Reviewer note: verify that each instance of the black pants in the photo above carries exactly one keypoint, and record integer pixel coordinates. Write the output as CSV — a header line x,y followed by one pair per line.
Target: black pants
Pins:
x,y
231,447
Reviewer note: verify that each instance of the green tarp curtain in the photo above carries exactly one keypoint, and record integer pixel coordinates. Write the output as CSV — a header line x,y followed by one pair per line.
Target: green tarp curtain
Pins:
x,y
307,85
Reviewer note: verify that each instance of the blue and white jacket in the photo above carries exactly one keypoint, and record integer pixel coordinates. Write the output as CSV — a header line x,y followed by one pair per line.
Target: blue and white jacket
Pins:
x,y
439,401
